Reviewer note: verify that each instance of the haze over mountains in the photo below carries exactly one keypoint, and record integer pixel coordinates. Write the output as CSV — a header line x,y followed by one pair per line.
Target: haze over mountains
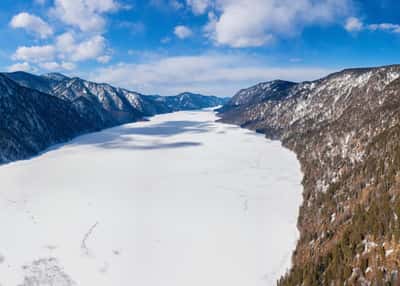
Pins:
x,y
39,111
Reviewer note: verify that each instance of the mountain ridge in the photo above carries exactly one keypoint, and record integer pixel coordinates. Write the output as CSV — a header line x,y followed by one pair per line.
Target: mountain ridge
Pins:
x,y
345,131
90,107
32,121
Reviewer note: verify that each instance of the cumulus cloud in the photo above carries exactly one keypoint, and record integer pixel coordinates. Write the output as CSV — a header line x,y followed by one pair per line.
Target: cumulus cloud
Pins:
x,y
182,32
353,24
91,48
103,59
84,19
215,74
51,66
35,54
389,27
24,66
65,52
87,15
32,24
253,23
199,6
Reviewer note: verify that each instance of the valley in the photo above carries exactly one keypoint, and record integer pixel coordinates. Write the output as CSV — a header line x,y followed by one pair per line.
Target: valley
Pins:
x,y
178,200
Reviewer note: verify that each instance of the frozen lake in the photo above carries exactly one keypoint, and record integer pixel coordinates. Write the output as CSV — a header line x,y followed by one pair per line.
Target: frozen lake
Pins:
x,y
176,201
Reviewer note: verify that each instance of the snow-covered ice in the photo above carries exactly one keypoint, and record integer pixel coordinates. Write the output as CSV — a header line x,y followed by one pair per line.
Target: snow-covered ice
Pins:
x,y
179,200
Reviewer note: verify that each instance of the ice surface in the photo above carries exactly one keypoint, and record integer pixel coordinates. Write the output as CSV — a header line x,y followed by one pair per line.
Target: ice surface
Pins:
x,y
176,201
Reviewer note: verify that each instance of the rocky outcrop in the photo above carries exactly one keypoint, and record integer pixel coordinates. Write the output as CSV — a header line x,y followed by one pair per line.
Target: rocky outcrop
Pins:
x,y
345,130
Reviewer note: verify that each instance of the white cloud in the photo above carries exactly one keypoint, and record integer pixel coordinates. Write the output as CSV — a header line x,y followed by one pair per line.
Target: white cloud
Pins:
x,y
217,74
92,48
64,53
24,66
389,27
85,20
199,6
253,23
182,32
52,66
35,54
353,24
87,15
104,59
66,43
32,24
68,66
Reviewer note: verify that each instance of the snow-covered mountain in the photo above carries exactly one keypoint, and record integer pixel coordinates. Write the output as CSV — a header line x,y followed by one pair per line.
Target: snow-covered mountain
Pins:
x,y
32,121
41,83
109,102
345,129
91,106
272,90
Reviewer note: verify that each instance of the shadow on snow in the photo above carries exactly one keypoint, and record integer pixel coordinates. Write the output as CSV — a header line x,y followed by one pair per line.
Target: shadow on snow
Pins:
x,y
124,137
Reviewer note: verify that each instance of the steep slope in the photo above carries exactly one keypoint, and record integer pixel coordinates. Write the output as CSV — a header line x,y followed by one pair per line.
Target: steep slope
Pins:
x,y
32,121
123,105
55,76
273,90
41,83
345,130
74,106
112,105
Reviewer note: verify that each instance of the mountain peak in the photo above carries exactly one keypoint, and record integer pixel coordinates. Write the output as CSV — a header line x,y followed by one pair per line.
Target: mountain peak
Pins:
x,y
270,90
56,76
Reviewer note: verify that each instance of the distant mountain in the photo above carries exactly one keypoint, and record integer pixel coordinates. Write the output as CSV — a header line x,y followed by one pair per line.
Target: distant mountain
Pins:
x,y
113,103
186,101
40,83
55,76
90,106
345,130
273,90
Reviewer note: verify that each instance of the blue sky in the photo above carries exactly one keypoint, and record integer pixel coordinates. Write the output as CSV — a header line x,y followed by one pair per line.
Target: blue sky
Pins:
x,y
207,46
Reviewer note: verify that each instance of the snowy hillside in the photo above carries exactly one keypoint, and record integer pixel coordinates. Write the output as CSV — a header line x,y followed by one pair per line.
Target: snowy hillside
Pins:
x,y
345,130
90,107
